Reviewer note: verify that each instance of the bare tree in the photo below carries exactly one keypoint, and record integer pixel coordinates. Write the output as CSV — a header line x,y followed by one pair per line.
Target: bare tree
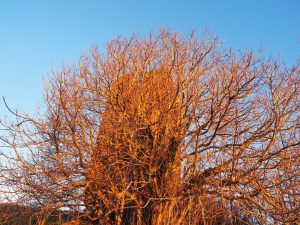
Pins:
x,y
162,130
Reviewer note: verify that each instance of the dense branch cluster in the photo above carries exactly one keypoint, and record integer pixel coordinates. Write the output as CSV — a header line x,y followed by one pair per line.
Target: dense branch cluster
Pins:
x,y
162,130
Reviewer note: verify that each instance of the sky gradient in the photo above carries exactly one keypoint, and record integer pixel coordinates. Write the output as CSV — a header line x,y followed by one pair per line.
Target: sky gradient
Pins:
x,y
38,36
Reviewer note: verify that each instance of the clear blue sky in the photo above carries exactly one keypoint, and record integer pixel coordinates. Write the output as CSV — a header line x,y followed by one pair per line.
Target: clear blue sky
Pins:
x,y
36,36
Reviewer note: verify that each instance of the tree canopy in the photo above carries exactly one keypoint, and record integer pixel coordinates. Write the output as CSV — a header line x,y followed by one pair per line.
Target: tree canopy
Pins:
x,y
164,129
